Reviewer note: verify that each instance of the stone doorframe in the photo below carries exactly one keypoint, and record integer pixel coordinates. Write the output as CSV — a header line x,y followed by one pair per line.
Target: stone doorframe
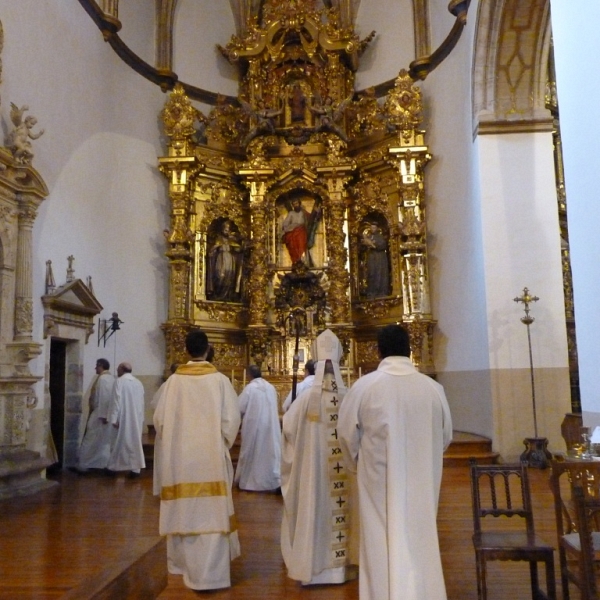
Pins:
x,y
69,313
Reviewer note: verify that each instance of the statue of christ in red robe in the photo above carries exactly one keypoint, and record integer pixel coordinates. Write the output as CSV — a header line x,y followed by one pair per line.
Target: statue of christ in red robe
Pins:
x,y
299,227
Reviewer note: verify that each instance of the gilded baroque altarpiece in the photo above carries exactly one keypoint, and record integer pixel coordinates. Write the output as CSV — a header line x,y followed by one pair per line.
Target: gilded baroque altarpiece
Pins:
x,y
301,206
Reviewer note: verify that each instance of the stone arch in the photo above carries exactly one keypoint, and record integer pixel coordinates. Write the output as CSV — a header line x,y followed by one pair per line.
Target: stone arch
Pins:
x,y
510,66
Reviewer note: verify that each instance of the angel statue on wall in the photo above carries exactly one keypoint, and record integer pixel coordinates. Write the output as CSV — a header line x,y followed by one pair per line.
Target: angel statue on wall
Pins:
x,y
18,139
225,265
263,118
375,262
330,115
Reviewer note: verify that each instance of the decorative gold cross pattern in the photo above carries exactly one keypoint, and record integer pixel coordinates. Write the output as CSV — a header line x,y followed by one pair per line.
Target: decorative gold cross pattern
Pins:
x,y
338,482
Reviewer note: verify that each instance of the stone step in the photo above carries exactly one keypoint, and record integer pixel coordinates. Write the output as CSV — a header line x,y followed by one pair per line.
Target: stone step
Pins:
x,y
140,572
21,473
467,446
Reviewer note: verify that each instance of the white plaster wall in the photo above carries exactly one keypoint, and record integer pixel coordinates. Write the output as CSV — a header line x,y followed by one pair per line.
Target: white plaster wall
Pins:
x,y
199,26
138,28
576,47
522,249
393,47
455,242
454,212
107,203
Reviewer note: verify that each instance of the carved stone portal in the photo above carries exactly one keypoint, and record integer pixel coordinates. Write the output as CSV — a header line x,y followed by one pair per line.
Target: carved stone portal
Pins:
x,y
21,192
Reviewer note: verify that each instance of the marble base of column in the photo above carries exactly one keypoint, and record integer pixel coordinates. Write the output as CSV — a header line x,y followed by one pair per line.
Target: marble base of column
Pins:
x,y
21,473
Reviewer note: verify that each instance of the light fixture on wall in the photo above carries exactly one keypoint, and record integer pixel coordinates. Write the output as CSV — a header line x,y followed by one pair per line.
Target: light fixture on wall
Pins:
x,y
107,327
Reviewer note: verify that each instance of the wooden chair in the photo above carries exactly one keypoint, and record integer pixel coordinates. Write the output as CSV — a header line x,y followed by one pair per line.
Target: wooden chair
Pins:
x,y
576,489
502,491
587,511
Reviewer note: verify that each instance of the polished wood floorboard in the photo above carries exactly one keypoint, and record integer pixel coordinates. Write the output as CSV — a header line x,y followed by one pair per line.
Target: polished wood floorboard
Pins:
x,y
52,541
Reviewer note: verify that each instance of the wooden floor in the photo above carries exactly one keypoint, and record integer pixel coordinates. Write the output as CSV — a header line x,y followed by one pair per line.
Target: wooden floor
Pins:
x,y
51,542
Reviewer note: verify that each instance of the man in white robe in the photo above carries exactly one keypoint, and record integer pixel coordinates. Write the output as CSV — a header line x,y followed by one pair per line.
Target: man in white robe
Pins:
x,y
317,543
309,377
95,446
197,419
259,463
127,417
394,426
157,441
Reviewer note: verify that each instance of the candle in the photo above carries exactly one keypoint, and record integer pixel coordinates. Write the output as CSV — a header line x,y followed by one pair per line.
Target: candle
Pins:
x,y
244,381
359,372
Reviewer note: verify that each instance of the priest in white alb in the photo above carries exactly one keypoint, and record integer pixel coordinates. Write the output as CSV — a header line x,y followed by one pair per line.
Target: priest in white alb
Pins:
x,y
97,439
197,419
394,426
126,415
309,377
318,531
259,463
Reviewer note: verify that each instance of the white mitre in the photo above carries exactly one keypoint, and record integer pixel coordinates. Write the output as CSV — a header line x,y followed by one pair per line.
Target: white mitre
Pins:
x,y
326,347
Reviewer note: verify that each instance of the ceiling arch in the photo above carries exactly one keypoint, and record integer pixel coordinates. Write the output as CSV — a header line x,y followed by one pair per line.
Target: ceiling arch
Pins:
x,y
105,13
510,66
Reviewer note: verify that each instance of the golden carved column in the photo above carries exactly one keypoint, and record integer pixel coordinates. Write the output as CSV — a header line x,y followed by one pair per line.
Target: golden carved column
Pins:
x,y
257,181
336,178
409,155
179,167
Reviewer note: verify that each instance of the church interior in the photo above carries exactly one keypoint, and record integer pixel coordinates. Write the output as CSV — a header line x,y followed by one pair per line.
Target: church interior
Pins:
x,y
266,169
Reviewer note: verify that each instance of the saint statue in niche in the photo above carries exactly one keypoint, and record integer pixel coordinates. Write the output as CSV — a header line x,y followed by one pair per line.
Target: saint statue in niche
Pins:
x,y
299,228
297,103
375,262
225,263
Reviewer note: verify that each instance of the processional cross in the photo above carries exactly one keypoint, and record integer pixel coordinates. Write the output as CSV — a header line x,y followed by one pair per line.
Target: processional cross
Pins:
x,y
527,299
536,453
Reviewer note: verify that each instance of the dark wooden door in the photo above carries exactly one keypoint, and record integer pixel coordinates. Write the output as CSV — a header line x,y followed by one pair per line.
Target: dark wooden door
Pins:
x,y
58,361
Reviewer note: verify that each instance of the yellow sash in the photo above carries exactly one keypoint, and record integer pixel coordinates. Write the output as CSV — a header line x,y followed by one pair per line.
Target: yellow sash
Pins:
x,y
197,368
203,489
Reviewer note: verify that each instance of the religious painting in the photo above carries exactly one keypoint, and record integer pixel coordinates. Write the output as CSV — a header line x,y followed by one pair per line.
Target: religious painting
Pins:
x,y
299,230
374,259
225,262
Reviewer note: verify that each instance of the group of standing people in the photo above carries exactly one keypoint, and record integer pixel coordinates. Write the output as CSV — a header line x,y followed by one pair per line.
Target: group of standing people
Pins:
x,y
112,440
360,470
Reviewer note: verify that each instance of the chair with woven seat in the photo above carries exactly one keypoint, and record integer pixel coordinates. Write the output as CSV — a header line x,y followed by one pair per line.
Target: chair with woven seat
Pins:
x,y
502,492
576,489
587,511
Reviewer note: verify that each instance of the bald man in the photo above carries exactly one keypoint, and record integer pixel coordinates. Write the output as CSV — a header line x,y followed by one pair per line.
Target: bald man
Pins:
x,y
127,416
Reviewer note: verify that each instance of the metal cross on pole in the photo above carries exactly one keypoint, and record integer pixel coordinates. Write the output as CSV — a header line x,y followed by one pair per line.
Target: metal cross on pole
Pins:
x,y
527,299
536,453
